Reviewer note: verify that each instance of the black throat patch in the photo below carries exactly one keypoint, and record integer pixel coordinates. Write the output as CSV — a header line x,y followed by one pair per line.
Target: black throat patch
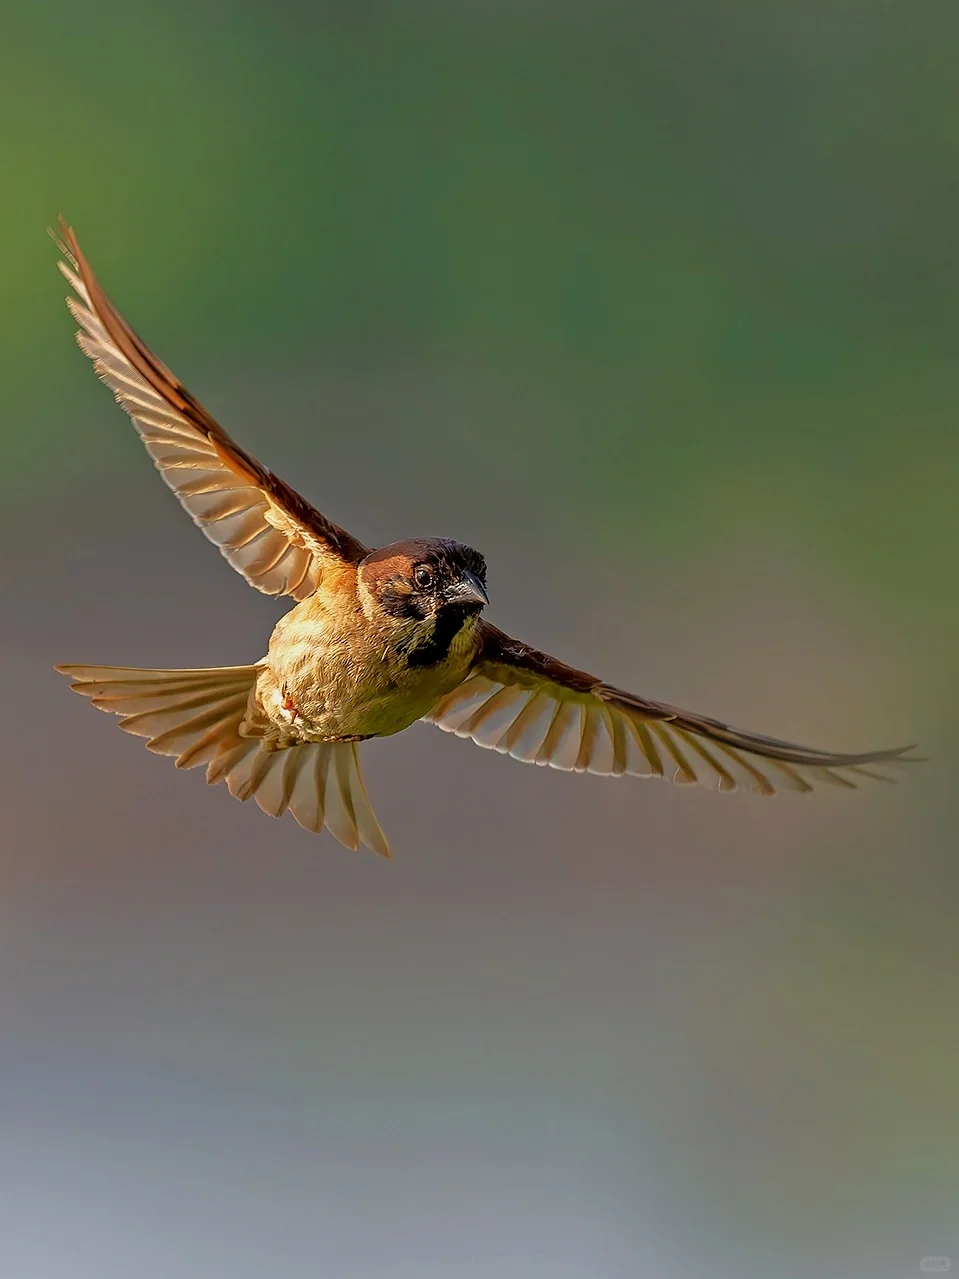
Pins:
x,y
435,648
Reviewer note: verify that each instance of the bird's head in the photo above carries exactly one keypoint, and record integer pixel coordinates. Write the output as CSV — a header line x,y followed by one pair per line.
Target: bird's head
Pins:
x,y
423,579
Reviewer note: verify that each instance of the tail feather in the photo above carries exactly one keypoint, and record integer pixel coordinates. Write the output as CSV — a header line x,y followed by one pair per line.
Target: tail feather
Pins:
x,y
195,716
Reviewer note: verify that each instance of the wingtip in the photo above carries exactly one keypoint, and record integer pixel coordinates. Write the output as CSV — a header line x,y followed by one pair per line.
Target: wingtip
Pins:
x,y
74,670
79,682
65,240
899,755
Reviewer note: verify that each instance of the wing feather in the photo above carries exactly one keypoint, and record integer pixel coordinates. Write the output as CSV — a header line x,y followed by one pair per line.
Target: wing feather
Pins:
x,y
233,498
537,709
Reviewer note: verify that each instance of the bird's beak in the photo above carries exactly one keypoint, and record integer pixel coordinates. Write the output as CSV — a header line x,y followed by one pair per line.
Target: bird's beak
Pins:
x,y
468,590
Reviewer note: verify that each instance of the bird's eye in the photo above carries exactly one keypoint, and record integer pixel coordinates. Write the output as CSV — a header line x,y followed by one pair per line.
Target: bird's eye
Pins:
x,y
423,577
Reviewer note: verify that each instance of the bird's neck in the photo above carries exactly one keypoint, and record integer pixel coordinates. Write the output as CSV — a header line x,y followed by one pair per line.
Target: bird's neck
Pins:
x,y
447,633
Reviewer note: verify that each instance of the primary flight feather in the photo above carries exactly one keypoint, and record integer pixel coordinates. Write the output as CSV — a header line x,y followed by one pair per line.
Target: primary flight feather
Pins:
x,y
376,640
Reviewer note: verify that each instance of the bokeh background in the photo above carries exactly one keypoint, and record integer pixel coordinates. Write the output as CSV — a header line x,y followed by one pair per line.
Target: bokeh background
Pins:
x,y
659,306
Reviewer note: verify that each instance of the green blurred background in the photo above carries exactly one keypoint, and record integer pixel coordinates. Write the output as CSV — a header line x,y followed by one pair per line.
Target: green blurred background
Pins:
x,y
659,307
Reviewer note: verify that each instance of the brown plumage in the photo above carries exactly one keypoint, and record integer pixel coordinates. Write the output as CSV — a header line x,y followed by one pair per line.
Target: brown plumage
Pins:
x,y
375,641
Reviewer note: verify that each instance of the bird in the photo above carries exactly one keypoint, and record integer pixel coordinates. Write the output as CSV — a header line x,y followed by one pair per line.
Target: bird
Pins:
x,y
376,640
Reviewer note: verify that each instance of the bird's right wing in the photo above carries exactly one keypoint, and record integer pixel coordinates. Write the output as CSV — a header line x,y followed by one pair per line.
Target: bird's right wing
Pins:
x,y
531,706
279,542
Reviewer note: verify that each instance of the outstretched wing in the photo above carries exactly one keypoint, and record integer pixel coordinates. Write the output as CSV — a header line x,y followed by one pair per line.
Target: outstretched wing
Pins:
x,y
527,704
279,542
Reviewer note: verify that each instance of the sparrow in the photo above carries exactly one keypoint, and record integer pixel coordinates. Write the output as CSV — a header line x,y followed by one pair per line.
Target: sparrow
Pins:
x,y
375,640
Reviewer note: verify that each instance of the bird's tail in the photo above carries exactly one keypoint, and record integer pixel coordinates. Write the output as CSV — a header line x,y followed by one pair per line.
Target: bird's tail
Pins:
x,y
196,716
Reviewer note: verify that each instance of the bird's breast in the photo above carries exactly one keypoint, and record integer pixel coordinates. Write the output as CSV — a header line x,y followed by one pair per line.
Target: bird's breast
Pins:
x,y
349,676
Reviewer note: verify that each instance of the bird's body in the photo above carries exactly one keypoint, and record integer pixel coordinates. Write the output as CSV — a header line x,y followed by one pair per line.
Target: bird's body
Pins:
x,y
376,640
339,668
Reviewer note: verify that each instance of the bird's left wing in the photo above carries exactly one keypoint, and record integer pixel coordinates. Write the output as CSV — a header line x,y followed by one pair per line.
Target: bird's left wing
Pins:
x,y
531,706
279,542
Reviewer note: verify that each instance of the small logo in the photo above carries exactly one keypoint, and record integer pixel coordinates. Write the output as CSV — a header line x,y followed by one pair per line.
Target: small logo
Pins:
x,y
935,1265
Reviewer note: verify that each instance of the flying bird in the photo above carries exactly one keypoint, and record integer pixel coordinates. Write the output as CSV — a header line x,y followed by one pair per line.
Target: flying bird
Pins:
x,y
376,640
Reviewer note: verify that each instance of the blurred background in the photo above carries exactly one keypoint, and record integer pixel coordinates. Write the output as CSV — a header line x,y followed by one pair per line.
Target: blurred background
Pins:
x,y
659,307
